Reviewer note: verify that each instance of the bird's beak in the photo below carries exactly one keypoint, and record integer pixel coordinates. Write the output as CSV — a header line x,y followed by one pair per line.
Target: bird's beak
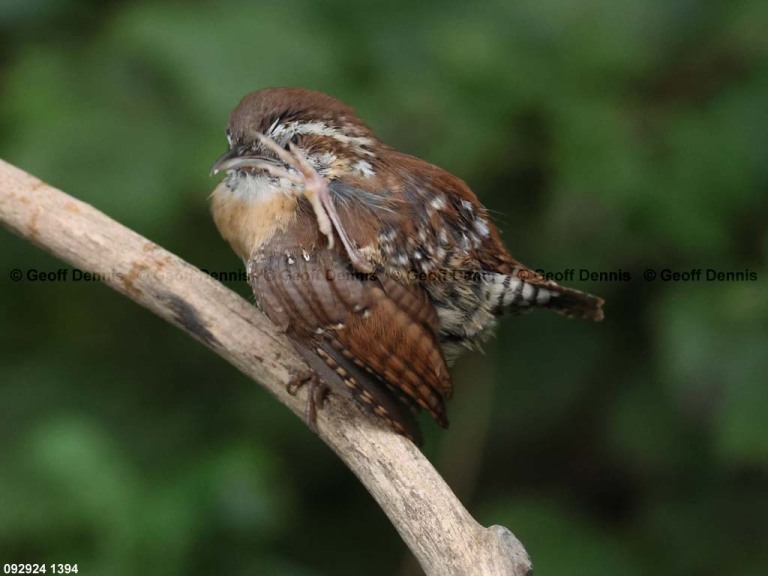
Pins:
x,y
225,161
234,160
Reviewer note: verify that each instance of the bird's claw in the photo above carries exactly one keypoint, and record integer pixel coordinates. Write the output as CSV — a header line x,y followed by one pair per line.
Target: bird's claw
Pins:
x,y
317,392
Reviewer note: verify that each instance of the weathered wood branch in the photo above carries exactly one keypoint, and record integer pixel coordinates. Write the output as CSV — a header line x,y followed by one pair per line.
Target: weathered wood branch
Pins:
x,y
441,533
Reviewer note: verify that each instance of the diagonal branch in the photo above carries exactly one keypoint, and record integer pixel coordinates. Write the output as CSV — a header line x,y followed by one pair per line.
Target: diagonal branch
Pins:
x,y
441,533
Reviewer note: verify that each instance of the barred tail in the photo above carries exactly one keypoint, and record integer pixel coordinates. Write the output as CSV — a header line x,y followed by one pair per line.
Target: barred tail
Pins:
x,y
575,304
525,289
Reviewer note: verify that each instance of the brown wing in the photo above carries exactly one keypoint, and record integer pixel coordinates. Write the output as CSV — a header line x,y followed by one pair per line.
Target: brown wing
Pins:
x,y
438,223
377,336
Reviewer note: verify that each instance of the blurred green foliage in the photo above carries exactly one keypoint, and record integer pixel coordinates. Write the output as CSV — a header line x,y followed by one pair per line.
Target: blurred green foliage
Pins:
x,y
604,134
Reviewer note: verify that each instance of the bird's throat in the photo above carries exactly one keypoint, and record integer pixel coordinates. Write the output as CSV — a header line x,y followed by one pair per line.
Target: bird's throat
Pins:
x,y
248,219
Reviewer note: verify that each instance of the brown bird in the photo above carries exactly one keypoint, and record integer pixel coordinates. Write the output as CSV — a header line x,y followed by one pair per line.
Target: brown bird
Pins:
x,y
380,267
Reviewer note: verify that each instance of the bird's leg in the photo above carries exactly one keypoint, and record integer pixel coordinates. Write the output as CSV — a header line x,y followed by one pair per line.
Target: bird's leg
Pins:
x,y
317,392
316,191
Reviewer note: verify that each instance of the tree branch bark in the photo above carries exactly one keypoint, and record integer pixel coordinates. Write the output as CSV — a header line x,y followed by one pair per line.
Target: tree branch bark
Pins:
x,y
443,536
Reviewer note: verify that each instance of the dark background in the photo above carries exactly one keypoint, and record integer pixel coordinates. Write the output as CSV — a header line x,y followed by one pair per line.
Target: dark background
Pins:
x,y
604,134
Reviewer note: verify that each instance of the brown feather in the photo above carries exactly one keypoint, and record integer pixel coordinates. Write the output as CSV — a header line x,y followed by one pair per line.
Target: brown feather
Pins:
x,y
442,274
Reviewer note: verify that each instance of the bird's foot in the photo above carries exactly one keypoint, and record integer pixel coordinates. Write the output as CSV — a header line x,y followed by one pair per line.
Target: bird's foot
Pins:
x,y
317,392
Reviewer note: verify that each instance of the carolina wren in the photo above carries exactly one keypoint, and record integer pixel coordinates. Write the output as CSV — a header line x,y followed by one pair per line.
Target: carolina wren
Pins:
x,y
380,267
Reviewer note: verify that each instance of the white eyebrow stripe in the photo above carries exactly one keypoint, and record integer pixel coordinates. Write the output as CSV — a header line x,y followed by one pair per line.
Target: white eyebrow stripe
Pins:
x,y
319,129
